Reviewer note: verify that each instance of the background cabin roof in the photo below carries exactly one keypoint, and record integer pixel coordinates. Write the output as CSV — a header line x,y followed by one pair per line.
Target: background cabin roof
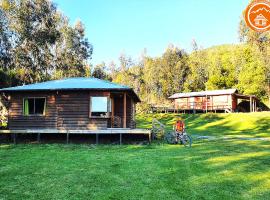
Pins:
x,y
203,93
79,83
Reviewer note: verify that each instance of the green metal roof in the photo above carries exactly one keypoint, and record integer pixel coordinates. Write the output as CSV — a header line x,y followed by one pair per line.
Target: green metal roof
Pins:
x,y
79,83
69,83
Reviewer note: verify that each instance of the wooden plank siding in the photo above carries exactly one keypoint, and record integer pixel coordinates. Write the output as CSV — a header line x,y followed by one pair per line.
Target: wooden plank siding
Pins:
x,y
73,111
130,113
17,120
66,110
215,102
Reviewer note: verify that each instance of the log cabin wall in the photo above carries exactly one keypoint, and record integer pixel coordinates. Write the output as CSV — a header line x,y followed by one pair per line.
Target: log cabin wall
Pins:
x,y
130,123
65,110
16,119
73,111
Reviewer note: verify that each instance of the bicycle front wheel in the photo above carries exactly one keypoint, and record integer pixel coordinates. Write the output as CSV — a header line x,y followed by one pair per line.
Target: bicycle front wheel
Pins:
x,y
186,140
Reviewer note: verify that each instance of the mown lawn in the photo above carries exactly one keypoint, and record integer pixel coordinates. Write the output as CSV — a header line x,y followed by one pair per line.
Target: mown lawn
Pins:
x,y
214,169
210,170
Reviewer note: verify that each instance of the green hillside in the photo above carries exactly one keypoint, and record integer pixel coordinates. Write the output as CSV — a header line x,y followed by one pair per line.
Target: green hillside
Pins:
x,y
244,124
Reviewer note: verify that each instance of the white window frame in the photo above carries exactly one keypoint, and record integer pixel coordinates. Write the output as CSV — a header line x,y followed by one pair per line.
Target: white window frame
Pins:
x,y
109,107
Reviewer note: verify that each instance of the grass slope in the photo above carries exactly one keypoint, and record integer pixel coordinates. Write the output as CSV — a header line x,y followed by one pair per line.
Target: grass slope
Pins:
x,y
244,124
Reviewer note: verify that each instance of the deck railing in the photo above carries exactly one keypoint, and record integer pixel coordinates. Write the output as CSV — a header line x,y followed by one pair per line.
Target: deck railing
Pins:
x,y
158,129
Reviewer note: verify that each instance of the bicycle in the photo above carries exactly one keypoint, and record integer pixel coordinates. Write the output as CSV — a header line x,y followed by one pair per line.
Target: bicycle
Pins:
x,y
175,137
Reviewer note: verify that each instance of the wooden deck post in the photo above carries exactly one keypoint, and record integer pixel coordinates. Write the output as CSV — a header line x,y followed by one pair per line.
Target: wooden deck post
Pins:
x,y
206,104
97,138
67,138
120,142
255,106
250,103
125,111
38,137
14,138
112,117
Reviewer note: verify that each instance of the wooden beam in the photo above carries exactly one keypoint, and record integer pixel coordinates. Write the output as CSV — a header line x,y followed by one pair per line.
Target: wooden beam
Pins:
x,y
100,131
38,137
120,142
206,105
14,138
255,106
67,138
112,117
97,138
250,103
125,111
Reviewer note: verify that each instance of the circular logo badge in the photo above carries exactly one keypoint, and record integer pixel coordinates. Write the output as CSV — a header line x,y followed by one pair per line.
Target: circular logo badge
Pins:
x,y
257,15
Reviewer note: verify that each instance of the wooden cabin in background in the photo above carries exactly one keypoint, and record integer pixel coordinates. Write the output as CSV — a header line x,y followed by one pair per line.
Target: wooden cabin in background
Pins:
x,y
214,100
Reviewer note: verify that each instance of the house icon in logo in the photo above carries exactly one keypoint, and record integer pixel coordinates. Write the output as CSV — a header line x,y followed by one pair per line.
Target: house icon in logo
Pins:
x,y
260,20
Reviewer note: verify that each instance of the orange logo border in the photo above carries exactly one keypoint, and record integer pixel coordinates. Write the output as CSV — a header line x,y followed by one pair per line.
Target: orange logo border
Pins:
x,y
247,13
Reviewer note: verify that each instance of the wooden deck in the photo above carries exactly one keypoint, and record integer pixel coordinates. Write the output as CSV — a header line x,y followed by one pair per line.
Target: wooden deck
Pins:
x,y
109,131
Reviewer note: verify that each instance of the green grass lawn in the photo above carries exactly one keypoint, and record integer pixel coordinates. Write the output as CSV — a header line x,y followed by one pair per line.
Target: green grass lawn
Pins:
x,y
242,124
215,169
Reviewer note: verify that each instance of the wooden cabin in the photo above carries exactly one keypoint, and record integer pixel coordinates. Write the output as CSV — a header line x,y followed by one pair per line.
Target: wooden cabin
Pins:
x,y
71,104
214,100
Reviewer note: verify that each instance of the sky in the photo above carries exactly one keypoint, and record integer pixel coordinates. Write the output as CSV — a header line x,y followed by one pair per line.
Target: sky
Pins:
x,y
115,27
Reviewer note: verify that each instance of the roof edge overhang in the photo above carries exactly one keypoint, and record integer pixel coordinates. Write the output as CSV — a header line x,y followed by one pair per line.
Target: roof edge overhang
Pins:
x,y
198,96
204,93
136,97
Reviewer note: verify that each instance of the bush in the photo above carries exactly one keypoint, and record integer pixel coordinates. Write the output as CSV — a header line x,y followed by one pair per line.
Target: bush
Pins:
x,y
3,125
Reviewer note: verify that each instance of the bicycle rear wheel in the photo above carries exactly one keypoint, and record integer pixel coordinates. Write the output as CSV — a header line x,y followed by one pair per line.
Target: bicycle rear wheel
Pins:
x,y
186,140
170,138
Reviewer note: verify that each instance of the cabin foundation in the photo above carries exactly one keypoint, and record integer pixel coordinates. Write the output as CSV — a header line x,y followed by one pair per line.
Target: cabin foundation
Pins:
x,y
67,133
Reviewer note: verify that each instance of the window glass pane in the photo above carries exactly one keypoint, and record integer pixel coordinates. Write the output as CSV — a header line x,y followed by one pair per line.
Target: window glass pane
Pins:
x,y
31,106
99,104
39,106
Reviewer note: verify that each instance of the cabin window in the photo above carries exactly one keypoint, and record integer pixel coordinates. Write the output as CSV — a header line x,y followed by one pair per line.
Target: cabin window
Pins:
x,y
100,106
34,106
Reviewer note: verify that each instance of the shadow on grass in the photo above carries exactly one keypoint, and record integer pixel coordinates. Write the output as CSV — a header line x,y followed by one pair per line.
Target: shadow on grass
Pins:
x,y
225,170
209,170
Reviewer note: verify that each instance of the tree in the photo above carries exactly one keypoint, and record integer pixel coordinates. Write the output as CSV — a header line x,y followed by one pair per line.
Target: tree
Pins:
x,y
259,41
38,44
33,25
100,72
72,50
198,75
252,79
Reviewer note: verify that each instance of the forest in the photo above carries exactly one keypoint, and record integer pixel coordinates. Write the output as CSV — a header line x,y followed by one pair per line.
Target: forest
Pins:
x,y
37,43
